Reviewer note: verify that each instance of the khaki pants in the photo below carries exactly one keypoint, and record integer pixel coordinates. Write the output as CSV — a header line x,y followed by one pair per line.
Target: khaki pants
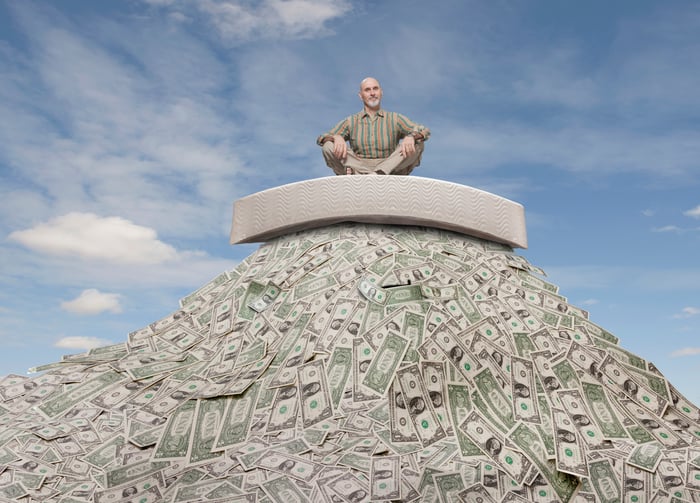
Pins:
x,y
395,164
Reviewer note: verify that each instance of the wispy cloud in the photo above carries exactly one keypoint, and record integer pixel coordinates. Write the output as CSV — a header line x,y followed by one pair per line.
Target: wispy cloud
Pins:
x,y
685,352
590,302
668,228
77,342
648,213
92,302
695,212
688,312
675,229
237,20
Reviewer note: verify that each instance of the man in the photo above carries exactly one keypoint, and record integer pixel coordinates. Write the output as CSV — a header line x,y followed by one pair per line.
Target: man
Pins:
x,y
381,142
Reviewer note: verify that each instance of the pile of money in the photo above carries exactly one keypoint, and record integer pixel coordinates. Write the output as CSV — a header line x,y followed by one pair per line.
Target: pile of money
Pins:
x,y
356,362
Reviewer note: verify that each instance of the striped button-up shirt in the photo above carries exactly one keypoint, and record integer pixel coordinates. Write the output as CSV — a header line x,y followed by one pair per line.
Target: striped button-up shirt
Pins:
x,y
375,136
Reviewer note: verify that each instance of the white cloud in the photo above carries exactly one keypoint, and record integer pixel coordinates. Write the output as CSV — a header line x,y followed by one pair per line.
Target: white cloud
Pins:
x,y
685,352
667,228
589,302
695,212
77,342
237,20
89,236
687,312
648,213
92,301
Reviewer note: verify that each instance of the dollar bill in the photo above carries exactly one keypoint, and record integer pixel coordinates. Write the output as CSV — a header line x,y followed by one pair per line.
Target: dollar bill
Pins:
x,y
684,406
283,490
460,407
350,488
128,474
385,478
492,394
338,371
412,328
313,286
248,375
477,493
311,266
58,405
492,443
602,412
448,485
401,427
200,490
464,361
169,399
160,368
386,360
146,490
229,353
692,477
605,481
636,484
175,440
283,413
435,381
524,392
209,416
340,316
640,393
315,398
654,425
290,465
569,451
371,290
646,456
363,354
221,323
253,291
545,428
564,485
250,354
13,492
418,405
524,345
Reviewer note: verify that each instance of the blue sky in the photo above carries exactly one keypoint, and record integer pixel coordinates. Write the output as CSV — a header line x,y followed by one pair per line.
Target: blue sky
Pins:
x,y
129,128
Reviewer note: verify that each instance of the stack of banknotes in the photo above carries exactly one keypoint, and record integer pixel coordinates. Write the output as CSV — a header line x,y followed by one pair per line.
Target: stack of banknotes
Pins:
x,y
356,362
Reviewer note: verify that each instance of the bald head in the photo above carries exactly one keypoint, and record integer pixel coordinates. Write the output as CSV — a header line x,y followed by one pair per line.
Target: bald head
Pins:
x,y
369,81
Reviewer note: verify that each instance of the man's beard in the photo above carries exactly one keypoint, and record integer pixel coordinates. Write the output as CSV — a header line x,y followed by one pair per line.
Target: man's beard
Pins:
x,y
373,103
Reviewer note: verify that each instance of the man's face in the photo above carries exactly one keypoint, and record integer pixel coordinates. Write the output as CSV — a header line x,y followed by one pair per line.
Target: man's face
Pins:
x,y
371,93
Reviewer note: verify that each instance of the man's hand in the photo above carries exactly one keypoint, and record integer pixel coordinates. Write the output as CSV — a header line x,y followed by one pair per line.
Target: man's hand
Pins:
x,y
340,148
408,146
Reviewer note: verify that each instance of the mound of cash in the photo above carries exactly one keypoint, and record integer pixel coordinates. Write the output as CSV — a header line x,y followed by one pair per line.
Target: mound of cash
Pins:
x,y
356,363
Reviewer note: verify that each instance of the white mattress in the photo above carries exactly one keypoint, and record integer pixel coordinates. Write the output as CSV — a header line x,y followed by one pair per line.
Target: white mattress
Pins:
x,y
395,200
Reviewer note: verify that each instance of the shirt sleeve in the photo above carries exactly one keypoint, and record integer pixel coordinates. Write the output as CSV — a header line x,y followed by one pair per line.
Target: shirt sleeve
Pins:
x,y
342,128
407,127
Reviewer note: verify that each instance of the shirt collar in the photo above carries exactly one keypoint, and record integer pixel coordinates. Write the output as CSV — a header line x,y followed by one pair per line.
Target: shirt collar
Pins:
x,y
365,113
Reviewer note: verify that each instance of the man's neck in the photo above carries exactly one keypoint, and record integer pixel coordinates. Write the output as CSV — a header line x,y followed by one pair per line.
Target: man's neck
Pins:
x,y
372,110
